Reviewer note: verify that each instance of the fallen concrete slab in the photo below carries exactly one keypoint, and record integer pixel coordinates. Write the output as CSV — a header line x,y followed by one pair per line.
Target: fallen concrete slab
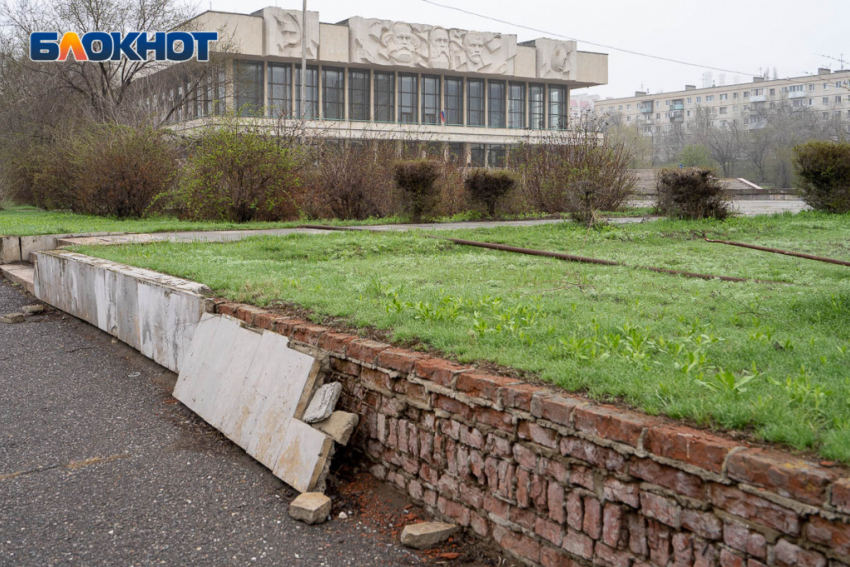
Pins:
x,y
253,388
10,249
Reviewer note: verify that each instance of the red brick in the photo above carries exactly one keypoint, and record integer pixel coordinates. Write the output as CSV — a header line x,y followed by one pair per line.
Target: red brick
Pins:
x,y
581,476
345,366
498,446
637,534
452,406
471,496
575,511
789,555
755,563
335,342
690,446
496,507
658,541
439,371
365,350
398,359
540,435
608,557
525,457
783,474
472,437
553,558
523,489
555,496
589,452
308,334
683,550
704,524
668,477
752,507
286,326
229,308
662,509
411,390
729,559
485,386
453,510
247,313
555,469
627,493
578,544
834,535
592,524
479,525
376,379
614,424
841,495
522,546
613,532
556,409
264,320
523,517
705,555
414,488
495,418
519,396
549,531
539,491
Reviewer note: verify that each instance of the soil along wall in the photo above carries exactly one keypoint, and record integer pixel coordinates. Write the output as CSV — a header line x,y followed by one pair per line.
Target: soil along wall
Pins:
x,y
558,481
154,313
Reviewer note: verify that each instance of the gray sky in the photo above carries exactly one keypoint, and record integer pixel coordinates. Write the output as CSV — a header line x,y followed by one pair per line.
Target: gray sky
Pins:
x,y
739,35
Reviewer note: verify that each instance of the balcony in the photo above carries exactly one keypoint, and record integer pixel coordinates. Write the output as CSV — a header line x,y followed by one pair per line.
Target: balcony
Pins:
x,y
677,106
798,94
677,116
645,108
759,98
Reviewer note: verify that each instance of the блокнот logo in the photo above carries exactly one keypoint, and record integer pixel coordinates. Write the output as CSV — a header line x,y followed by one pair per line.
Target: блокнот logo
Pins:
x,y
112,46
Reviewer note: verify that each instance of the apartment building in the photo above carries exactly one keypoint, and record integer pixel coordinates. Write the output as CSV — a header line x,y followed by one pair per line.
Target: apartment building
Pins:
x,y
370,78
744,105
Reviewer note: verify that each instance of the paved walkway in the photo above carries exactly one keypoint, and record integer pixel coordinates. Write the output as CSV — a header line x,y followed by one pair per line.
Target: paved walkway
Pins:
x,y
100,466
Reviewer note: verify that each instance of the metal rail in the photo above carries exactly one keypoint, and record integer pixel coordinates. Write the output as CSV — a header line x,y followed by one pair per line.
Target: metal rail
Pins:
x,y
784,252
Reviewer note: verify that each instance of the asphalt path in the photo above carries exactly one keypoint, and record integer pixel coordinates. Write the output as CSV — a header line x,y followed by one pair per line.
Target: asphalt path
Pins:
x,y
99,465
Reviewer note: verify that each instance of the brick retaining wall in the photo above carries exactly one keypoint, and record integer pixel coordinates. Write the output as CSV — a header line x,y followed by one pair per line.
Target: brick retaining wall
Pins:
x,y
559,481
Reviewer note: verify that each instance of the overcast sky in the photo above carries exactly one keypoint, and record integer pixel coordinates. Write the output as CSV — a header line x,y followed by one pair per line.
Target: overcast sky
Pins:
x,y
741,36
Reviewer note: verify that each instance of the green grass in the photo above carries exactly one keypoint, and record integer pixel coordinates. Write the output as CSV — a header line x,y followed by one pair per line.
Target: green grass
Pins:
x,y
770,359
31,221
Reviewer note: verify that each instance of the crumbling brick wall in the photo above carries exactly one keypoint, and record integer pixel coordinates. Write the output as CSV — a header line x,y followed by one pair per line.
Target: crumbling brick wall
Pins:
x,y
556,480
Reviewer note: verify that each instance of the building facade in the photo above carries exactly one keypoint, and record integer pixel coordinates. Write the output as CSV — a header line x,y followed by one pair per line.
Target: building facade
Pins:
x,y
743,105
478,92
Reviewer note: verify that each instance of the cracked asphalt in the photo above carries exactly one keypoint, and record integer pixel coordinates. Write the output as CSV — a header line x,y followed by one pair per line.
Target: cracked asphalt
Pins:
x,y
99,465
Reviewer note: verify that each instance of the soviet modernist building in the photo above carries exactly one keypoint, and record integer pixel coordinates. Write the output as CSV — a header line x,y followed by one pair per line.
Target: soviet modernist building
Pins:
x,y
476,92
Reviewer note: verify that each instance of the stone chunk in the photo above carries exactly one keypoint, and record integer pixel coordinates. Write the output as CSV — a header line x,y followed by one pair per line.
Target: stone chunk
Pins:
x,y
12,318
323,403
426,534
311,508
32,309
339,426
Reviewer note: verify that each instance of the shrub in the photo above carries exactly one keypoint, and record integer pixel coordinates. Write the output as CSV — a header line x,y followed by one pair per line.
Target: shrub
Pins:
x,y
692,193
554,175
240,176
417,180
488,187
118,171
823,175
351,181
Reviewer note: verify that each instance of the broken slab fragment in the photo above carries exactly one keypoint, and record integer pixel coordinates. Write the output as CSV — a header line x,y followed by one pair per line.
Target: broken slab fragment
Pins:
x,y
12,318
323,403
311,508
32,309
426,534
339,426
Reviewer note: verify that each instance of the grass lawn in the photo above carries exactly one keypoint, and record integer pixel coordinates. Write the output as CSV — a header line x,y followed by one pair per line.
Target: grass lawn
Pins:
x,y
30,221
770,359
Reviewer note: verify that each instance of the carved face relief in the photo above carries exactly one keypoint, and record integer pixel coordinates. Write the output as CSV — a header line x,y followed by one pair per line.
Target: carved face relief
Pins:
x,y
289,31
473,43
438,48
401,43
561,59
283,32
555,59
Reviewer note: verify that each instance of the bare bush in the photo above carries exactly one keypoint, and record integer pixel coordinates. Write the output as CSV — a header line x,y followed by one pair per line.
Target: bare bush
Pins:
x,y
417,181
554,175
692,193
489,187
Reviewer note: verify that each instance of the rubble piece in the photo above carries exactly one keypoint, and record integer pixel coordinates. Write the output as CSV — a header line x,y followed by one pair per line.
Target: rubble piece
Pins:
x,y
11,318
32,309
426,534
310,508
339,426
323,403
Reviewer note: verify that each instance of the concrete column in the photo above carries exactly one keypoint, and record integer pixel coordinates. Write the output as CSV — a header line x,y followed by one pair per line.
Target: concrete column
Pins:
x,y
345,86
